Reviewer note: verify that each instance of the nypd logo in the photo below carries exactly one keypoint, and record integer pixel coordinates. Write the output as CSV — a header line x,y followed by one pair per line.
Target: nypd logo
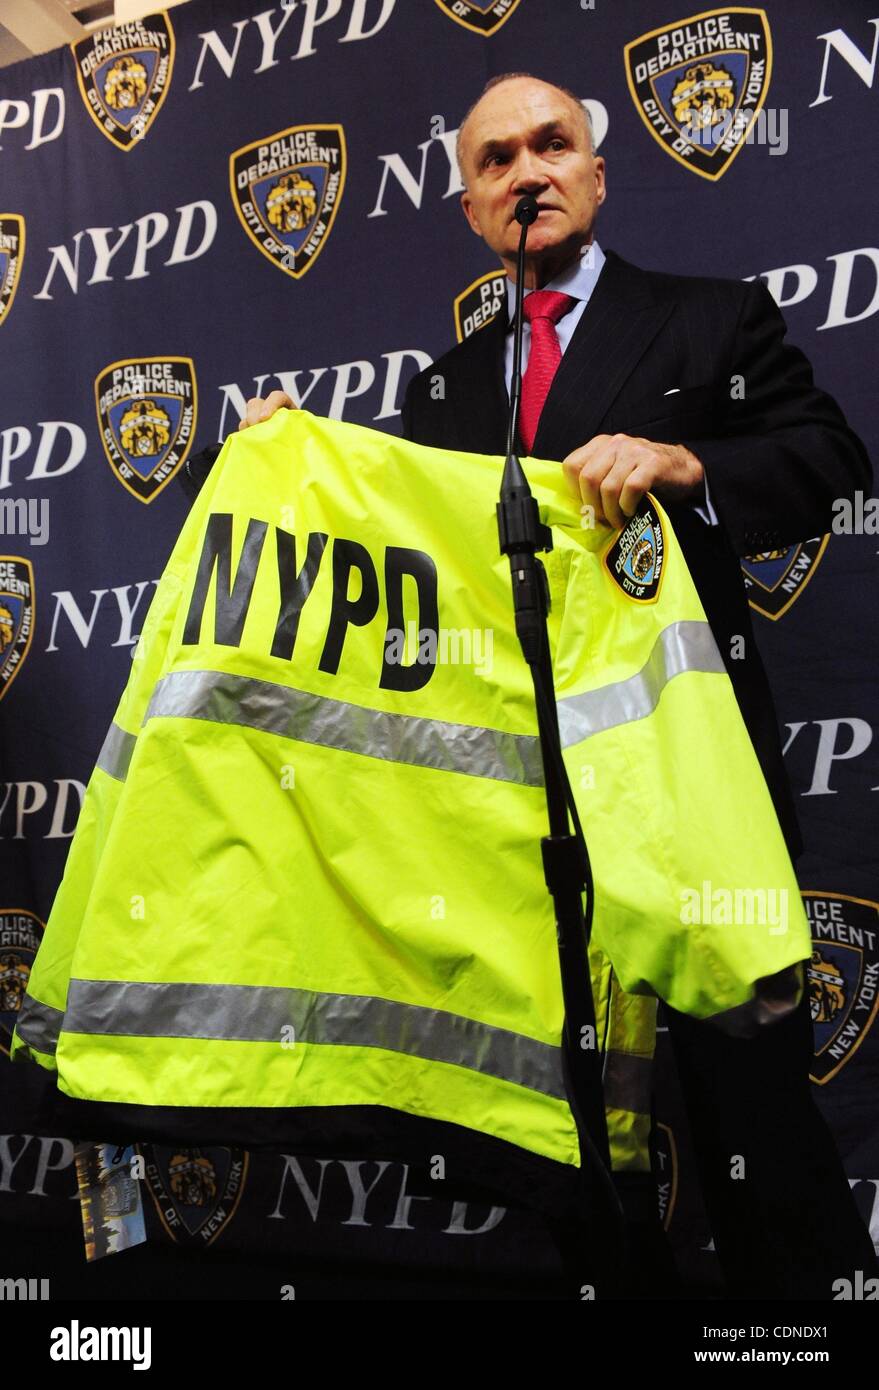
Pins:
x,y
124,75
700,83
196,1191
843,977
20,936
636,558
776,578
11,256
286,190
16,616
480,303
147,411
482,16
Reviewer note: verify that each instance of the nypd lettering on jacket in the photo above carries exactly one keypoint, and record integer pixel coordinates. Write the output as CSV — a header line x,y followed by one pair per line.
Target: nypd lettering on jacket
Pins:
x,y
298,575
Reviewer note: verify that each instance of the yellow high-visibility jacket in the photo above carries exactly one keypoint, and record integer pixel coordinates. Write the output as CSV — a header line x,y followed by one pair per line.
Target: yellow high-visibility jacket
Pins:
x,y
306,882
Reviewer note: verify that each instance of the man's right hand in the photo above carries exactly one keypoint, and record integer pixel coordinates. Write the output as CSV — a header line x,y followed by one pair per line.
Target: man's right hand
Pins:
x,y
258,409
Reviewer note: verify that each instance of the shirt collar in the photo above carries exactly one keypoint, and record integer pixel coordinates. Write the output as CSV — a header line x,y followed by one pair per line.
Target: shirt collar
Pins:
x,y
578,279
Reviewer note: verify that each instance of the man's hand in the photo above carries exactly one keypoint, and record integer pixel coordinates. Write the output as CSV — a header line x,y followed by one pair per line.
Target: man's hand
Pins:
x,y
258,409
613,471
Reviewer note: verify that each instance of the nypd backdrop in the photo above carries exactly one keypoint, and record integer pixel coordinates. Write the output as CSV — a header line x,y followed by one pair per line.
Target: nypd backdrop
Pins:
x,y
225,199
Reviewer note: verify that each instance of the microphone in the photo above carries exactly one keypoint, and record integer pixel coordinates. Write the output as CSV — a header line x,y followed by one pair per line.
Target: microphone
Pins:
x,y
526,212
526,209
566,864
521,531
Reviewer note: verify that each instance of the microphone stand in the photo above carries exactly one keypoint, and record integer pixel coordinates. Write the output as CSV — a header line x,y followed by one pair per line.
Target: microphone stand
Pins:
x,y
566,865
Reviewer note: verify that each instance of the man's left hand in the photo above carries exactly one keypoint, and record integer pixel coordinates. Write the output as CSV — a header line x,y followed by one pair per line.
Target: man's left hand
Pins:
x,y
613,471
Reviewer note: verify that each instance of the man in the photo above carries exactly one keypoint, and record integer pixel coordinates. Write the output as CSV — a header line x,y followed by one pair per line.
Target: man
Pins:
x,y
636,382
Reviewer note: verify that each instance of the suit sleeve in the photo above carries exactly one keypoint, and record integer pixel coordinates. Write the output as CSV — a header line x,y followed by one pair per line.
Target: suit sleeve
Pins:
x,y
406,414
785,453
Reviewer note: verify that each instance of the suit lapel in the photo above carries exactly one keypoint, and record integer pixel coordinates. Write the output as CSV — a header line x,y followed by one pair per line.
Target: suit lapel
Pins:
x,y
481,428
615,329
620,321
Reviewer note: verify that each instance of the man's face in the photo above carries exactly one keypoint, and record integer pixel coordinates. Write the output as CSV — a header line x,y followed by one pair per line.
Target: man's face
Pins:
x,y
525,137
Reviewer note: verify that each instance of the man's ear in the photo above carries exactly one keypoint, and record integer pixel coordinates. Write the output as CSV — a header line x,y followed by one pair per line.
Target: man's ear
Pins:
x,y
600,184
467,205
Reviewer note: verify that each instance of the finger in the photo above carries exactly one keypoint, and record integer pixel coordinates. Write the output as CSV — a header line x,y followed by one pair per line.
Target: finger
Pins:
x,y
578,458
276,400
611,487
638,482
592,475
619,504
251,412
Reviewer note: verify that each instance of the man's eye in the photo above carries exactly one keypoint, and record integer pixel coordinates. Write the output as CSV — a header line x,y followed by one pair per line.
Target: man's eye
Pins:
x,y
557,143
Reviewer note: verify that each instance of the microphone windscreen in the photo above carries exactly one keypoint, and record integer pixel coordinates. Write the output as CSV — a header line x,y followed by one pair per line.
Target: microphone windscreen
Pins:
x,y
527,209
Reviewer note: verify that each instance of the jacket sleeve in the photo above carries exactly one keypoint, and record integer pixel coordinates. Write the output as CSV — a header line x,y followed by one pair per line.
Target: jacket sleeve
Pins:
x,y
784,452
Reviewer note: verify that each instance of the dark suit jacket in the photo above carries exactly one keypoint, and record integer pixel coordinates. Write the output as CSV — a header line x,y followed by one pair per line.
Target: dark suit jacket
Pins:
x,y
776,450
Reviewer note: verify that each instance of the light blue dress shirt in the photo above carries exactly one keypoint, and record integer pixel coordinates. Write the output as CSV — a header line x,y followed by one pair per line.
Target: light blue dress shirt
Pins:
x,y
578,280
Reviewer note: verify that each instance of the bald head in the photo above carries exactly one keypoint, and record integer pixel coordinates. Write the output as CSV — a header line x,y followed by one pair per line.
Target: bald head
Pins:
x,y
524,135
524,83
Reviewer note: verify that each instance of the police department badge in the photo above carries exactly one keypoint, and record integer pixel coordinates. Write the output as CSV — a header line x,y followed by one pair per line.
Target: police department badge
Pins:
x,y
843,977
20,936
196,1191
775,579
286,190
147,409
480,303
635,559
482,16
124,74
11,257
16,616
700,82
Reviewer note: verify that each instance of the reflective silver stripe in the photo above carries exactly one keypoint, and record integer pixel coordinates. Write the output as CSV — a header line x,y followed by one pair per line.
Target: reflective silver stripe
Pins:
x,y
627,1081
38,1024
400,738
259,1013
684,646
225,698
116,751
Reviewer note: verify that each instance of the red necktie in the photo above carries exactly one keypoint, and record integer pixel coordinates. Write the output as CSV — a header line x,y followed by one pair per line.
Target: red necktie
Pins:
x,y
543,309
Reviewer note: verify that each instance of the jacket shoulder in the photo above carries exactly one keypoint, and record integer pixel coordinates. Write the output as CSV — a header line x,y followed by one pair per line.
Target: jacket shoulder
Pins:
x,y
687,290
462,359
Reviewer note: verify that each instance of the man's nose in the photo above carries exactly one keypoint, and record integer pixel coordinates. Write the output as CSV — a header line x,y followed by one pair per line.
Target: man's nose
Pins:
x,y
528,173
